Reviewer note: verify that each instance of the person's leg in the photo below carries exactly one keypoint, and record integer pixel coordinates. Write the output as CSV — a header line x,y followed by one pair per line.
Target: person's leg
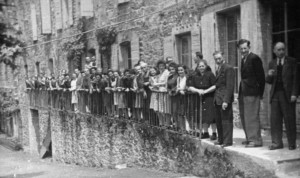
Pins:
x,y
289,115
252,121
227,124
242,116
219,124
276,122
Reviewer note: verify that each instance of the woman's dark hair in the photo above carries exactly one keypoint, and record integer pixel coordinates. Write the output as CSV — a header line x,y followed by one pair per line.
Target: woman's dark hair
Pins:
x,y
132,71
109,70
184,68
161,62
156,70
126,70
174,65
117,72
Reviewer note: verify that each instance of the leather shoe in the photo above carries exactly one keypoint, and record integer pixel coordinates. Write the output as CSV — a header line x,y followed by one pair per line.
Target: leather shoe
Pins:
x,y
246,142
213,136
252,145
293,147
204,135
226,145
274,147
218,143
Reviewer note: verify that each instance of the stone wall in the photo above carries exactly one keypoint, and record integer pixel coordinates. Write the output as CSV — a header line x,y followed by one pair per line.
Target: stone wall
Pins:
x,y
105,142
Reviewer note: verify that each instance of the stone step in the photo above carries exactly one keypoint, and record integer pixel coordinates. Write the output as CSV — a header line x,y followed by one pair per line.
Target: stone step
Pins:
x,y
282,162
289,167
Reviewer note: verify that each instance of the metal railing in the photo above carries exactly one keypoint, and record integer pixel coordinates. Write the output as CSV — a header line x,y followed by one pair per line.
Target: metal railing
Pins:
x,y
178,113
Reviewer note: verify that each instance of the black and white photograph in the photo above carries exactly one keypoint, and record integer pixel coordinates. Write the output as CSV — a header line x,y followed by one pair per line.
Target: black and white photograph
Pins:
x,y
149,89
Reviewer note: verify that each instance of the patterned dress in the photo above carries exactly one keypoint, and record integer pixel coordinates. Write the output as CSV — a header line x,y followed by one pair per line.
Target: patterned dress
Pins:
x,y
205,81
162,95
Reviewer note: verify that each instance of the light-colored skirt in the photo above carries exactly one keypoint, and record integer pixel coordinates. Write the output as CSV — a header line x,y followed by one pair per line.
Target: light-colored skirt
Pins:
x,y
74,97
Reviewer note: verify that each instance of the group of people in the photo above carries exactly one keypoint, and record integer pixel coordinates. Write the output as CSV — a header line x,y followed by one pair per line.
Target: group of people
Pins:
x,y
161,89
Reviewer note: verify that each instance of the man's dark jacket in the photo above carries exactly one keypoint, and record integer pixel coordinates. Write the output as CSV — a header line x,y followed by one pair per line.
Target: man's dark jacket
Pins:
x,y
224,85
290,77
252,76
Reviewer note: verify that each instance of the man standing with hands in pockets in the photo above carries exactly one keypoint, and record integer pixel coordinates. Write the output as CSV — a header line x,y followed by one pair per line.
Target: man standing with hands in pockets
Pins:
x,y
283,77
251,91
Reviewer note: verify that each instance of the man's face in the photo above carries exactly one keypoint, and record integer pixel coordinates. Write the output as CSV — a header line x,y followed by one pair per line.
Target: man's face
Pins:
x,y
76,71
219,59
279,50
244,49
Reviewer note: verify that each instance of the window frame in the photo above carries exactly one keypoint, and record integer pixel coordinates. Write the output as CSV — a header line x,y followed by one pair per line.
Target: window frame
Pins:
x,y
179,39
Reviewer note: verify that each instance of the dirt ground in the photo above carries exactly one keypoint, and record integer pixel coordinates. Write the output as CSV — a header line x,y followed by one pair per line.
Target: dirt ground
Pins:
x,y
23,165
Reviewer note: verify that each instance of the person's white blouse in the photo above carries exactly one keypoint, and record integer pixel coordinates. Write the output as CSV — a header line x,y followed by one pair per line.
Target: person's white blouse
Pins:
x,y
73,85
181,83
163,78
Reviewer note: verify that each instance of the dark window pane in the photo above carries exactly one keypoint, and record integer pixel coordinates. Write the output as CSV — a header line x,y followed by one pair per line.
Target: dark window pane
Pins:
x,y
232,54
185,60
185,45
293,12
293,44
231,27
278,17
294,47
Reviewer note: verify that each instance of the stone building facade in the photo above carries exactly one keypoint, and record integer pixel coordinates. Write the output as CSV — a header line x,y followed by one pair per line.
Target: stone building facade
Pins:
x,y
147,30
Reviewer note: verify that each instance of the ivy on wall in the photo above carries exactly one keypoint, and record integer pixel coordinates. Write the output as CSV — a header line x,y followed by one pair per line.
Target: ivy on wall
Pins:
x,y
75,46
105,38
10,45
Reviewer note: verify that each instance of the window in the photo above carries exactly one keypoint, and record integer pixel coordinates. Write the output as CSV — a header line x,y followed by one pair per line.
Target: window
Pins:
x,y
286,26
123,11
126,55
229,29
50,65
184,46
37,66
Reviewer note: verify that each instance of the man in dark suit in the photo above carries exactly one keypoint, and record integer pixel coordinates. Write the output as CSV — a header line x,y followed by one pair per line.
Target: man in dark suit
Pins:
x,y
282,75
251,91
224,87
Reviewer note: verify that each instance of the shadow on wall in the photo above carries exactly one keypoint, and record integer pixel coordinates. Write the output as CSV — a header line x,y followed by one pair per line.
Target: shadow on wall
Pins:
x,y
36,126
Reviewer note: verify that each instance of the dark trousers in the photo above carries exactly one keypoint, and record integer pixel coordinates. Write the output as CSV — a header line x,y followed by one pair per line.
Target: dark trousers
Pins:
x,y
282,109
224,122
